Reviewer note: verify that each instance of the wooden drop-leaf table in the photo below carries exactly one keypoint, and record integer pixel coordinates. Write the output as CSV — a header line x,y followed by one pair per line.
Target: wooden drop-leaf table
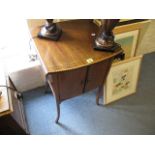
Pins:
x,y
71,65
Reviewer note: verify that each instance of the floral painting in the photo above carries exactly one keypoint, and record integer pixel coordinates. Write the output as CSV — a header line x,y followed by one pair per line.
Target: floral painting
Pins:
x,y
122,79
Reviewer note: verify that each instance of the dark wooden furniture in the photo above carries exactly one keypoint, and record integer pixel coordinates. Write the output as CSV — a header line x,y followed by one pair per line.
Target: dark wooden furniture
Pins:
x,y
12,118
70,65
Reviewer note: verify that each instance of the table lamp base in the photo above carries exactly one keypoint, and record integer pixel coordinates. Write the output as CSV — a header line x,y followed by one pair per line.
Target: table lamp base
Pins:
x,y
45,34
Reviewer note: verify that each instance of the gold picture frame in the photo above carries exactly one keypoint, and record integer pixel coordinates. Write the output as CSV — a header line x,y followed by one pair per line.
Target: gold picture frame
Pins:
x,y
122,79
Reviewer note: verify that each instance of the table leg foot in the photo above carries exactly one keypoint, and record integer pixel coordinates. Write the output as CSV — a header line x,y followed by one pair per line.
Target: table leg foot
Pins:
x,y
57,121
97,100
58,112
98,94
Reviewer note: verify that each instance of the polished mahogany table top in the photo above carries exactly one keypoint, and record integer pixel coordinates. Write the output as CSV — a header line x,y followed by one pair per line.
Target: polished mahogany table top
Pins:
x,y
73,50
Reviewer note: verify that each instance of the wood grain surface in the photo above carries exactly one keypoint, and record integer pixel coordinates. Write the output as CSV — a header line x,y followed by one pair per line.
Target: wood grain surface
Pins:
x,y
73,50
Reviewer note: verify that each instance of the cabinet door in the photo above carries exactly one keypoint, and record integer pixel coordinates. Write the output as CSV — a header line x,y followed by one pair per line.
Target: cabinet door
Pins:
x,y
97,74
71,83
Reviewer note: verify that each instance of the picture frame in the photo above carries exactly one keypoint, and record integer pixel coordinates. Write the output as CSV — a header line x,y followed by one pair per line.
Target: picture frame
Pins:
x,y
128,42
122,79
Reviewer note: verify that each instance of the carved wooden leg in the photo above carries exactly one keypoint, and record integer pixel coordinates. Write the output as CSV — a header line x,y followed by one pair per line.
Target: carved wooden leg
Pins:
x,y
58,111
52,80
100,88
47,88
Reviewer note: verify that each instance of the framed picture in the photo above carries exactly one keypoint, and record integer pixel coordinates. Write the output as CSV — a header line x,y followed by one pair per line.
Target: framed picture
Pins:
x,y
128,42
122,79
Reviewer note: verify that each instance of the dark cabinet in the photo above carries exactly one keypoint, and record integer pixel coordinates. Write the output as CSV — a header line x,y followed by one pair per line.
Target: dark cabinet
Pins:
x,y
71,83
75,82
